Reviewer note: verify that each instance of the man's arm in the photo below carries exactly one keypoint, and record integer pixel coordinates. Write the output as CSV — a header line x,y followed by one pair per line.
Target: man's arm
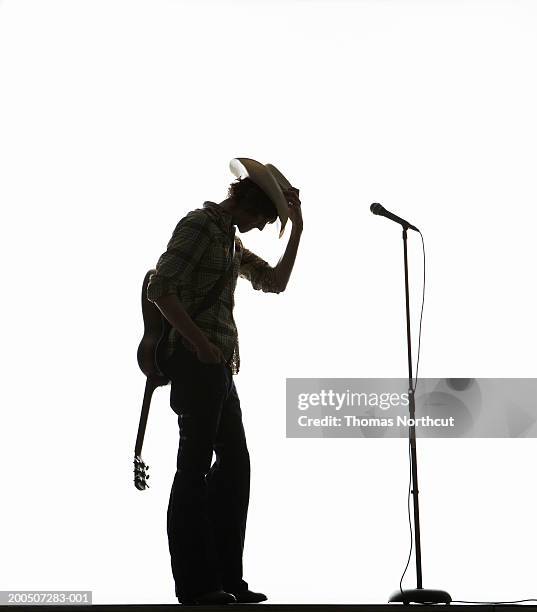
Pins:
x,y
262,275
258,271
283,269
189,241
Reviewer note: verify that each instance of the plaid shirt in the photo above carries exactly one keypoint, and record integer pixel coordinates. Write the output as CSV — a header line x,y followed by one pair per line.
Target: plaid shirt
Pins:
x,y
197,255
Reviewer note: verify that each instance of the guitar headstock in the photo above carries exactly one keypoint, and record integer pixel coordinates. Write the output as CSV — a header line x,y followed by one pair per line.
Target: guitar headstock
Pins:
x,y
140,474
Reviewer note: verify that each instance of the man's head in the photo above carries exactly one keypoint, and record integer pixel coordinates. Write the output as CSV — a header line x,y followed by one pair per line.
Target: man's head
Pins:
x,y
252,207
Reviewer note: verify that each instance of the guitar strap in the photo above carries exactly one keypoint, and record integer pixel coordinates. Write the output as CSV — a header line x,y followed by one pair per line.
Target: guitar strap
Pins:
x,y
216,289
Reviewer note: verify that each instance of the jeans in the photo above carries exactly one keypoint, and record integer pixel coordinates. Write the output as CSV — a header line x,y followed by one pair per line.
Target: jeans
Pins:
x,y
208,505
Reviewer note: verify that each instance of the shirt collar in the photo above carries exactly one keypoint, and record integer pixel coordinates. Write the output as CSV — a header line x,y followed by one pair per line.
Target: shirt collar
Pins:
x,y
222,217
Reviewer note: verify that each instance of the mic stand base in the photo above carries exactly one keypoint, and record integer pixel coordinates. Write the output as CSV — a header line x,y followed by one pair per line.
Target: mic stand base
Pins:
x,y
422,596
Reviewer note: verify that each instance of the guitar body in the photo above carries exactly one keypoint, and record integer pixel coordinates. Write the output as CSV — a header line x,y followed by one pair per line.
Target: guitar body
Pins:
x,y
150,351
152,345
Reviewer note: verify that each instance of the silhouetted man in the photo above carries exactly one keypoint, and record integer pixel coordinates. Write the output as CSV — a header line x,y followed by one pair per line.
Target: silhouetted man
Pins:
x,y
208,505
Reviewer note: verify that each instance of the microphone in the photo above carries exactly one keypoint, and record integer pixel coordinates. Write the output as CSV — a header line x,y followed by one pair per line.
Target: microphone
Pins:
x,y
378,209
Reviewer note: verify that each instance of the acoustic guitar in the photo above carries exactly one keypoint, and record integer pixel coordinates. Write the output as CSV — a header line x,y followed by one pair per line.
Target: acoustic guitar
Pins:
x,y
150,351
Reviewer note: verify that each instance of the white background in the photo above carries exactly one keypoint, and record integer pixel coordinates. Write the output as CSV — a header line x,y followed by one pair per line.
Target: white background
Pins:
x,y
116,118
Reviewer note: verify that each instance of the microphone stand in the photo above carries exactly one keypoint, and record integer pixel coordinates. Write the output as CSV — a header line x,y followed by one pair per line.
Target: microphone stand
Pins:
x,y
419,594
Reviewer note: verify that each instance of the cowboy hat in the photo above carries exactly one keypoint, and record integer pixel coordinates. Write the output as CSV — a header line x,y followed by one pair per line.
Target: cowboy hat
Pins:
x,y
269,179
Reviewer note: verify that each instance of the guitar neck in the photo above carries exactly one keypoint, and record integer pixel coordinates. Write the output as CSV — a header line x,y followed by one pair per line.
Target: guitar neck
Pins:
x,y
150,386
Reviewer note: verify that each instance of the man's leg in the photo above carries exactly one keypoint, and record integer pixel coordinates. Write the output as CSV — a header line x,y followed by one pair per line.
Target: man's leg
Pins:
x,y
229,491
197,395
